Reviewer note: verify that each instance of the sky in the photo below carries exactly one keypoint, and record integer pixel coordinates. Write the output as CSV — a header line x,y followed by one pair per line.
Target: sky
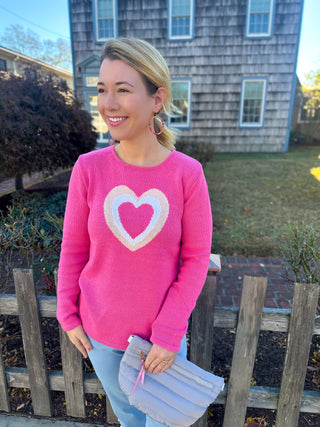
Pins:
x,y
50,19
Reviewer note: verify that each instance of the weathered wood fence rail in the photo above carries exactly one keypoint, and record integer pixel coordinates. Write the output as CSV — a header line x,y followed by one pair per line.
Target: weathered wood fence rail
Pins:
x,y
300,323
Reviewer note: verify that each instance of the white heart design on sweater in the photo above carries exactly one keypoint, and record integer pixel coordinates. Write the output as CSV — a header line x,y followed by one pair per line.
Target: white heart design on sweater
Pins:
x,y
123,194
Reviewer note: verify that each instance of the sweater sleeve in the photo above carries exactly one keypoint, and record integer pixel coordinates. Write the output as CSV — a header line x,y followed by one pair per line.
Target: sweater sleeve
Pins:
x,y
74,251
172,321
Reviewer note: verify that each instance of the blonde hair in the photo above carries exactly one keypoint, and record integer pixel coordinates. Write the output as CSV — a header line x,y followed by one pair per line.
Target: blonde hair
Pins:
x,y
152,67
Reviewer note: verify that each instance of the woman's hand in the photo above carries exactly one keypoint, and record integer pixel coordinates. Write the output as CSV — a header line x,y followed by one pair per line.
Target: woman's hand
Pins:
x,y
154,362
79,338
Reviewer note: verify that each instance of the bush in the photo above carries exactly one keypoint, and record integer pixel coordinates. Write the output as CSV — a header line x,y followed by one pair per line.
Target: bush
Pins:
x,y
37,205
54,131
201,151
31,235
301,253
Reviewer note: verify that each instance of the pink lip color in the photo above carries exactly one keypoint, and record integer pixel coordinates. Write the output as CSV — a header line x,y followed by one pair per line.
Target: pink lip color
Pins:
x,y
116,123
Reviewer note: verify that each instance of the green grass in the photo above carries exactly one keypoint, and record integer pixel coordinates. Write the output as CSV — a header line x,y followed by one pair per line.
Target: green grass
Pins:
x,y
255,196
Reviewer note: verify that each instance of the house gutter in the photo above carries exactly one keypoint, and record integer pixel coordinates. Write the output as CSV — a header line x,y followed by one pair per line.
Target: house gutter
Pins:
x,y
72,51
294,82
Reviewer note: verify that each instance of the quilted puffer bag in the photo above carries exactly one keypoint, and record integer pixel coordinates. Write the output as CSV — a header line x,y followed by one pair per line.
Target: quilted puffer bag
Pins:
x,y
177,397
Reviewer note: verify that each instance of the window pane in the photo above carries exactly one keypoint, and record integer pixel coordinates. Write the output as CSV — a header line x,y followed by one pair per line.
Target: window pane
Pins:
x,y
265,23
3,65
181,26
253,90
105,28
260,6
180,7
252,102
181,18
259,16
259,23
105,9
251,111
98,122
92,81
180,92
105,19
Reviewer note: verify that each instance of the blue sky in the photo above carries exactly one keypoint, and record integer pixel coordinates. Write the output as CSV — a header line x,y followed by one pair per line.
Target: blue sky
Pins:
x,y
50,20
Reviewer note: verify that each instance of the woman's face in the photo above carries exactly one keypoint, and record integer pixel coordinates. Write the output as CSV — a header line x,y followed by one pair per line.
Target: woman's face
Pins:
x,y
123,101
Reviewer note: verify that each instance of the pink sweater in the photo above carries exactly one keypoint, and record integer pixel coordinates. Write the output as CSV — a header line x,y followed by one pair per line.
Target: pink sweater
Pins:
x,y
135,249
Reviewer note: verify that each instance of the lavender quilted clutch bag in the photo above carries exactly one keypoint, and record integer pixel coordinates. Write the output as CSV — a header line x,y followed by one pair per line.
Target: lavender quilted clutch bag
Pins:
x,y
177,397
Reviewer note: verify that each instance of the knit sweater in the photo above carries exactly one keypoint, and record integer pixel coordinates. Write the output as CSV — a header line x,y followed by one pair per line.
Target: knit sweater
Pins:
x,y
135,249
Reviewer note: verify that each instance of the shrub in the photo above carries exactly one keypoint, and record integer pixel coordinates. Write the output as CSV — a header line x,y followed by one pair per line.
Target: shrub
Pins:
x,y
201,151
301,253
54,130
31,235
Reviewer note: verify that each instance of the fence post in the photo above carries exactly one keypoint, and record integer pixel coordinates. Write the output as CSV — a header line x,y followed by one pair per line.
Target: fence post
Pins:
x,y
111,417
4,398
73,377
300,331
250,313
32,341
201,342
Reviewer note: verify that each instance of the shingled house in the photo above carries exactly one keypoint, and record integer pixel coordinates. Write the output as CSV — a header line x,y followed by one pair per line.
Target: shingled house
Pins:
x,y
232,63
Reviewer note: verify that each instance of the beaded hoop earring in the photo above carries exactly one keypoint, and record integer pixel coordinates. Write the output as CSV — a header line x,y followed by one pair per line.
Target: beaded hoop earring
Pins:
x,y
152,128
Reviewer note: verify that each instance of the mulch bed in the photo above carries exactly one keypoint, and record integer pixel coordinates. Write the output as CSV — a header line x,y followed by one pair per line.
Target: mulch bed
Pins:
x,y
267,371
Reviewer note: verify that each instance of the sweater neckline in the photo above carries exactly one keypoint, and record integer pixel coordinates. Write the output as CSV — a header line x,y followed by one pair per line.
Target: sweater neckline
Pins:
x,y
160,165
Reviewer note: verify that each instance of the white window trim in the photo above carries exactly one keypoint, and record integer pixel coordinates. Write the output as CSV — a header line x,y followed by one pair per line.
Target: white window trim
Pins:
x,y
260,124
188,124
179,37
270,24
115,18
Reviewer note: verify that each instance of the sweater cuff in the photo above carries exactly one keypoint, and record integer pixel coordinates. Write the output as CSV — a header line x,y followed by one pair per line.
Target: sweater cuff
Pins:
x,y
69,324
171,342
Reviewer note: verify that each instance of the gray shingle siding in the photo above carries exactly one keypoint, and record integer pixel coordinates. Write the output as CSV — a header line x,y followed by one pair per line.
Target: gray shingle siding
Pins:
x,y
216,60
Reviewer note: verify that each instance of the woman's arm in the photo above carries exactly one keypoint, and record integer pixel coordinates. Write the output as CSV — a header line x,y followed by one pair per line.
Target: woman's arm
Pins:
x,y
74,251
172,321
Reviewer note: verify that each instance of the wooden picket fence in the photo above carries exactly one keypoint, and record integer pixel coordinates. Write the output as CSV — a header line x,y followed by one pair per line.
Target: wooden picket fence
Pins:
x,y
300,323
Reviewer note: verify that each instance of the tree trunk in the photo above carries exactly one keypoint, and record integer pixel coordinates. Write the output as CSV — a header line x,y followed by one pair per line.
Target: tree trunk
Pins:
x,y
19,183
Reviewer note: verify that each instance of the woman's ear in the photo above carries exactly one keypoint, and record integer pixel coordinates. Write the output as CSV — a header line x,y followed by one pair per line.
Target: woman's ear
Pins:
x,y
159,99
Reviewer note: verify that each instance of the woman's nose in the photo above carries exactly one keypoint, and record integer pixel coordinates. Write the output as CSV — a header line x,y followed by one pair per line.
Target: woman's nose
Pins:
x,y
110,102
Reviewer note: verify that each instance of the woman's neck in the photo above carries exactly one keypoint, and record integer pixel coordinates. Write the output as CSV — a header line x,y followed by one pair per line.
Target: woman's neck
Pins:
x,y
151,154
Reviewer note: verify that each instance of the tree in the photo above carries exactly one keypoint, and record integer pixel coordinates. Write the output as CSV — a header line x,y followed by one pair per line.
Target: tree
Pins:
x,y
42,126
311,89
27,42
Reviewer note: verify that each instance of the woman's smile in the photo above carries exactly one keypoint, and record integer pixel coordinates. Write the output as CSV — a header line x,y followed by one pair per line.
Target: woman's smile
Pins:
x,y
115,121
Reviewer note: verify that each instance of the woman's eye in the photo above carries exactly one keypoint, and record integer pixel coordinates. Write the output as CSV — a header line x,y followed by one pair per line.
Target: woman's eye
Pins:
x,y
100,90
123,90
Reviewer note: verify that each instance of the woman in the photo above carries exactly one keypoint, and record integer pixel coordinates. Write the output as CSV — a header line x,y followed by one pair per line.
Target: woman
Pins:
x,y
137,228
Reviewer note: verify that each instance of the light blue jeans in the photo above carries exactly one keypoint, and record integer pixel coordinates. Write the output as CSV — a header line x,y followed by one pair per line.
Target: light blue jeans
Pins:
x,y
106,363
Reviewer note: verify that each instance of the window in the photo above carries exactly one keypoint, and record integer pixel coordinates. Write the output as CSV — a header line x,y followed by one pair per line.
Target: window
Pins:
x,y
259,18
253,102
180,19
98,123
181,94
3,65
309,112
92,81
105,12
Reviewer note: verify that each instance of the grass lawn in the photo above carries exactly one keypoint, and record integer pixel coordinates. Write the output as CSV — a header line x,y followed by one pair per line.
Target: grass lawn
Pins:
x,y
256,195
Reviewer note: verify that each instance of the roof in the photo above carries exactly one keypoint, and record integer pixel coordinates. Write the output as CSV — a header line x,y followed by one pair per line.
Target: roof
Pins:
x,y
16,56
